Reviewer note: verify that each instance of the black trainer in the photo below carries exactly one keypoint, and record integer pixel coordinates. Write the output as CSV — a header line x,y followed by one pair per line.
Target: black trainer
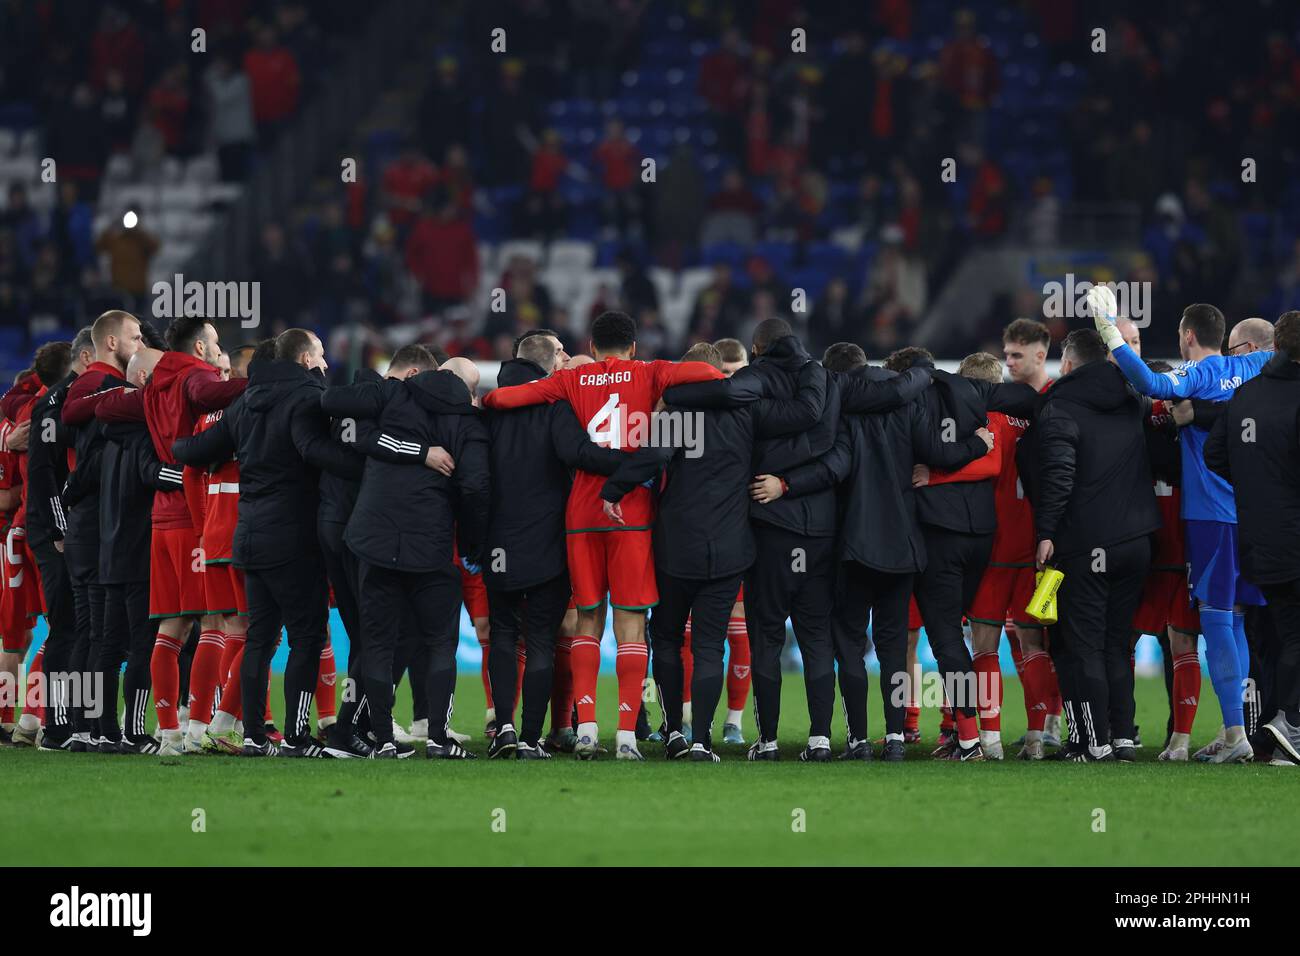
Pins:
x,y
137,745
962,754
677,747
305,746
343,744
448,751
815,754
756,752
49,742
78,744
393,750
893,751
253,749
504,742
526,751
858,750
702,754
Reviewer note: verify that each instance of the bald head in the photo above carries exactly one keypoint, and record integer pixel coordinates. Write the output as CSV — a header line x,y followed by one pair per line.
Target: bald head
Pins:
x,y
465,370
1251,335
141,366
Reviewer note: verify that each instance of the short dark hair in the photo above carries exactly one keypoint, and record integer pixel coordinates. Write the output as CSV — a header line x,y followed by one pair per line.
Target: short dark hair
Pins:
x,y
1286,335
1206,323
439,354
768,331
184,331
843,356
613,332
1027,332
900,360
1084,346
242,355
291,343
731,350
519,340
1159,366
705,352
152,337
52,362
414,356
263,352
83,341
538,349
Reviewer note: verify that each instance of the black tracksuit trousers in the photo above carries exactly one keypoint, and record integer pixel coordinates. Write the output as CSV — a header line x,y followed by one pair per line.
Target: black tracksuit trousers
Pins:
x,y
955,562
536,614
341,569
61,616
128,636
864,594
88,607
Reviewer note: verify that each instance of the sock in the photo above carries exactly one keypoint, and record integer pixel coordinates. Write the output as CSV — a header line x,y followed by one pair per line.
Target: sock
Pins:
x,y
562,688
1221,655
1017,653
630,666
738,664
967,731
1249,694
1036,674
1187,691
268,717
205,676
325,678
584,663
945,722
734,717
483,671
688,669
988,693
231,702
38,666
165,672
911,718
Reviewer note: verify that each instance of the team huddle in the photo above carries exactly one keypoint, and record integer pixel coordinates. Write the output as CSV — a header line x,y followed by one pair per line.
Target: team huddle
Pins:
x,y
174,509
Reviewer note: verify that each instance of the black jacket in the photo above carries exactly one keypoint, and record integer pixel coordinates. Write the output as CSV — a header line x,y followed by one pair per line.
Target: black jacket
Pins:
x,y
407,516
81,501
281,437
129,473
533,451
702,529
957,406
47,466
1089,463
1255,445
871,463
338,494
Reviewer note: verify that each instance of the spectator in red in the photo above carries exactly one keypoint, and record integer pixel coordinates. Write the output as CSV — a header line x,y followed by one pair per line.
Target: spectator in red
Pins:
x,y
442,254
733,212
968,68
617,159
169,107
544,206
117,46
276,81
407,181
986,210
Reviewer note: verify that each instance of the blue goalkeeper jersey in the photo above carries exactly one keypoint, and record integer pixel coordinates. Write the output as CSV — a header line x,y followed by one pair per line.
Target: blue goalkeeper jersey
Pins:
x,y
1206,496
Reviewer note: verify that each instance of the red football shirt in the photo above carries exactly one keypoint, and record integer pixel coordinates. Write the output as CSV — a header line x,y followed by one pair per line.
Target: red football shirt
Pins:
x,y
614,399
213,498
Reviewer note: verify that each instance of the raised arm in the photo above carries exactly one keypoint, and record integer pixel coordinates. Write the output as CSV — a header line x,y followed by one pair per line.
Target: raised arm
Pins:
x,y
743,388
210,393
362,399
311,436
549,389
124,404
965,460
209,447
776,417
574,446
859,394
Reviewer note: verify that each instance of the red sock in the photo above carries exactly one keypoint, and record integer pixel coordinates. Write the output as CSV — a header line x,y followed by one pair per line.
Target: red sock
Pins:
x,y
911,718
688,664
268,717
231,661
988,690
38,665
325,677
165,672
738,675
1187,691
630,666
1017,655
1037,682
205,675
483,672
946,722
967,727
521,661
584,664
562,686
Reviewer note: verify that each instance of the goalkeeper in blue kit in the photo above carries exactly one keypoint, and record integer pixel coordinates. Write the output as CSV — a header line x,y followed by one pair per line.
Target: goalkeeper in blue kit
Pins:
x,y
1209,512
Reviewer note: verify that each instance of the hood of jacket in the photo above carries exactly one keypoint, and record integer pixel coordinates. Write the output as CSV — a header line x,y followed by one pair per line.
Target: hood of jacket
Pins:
x,y
1281,366
518,371
787,353
442,393
271,381
1100,386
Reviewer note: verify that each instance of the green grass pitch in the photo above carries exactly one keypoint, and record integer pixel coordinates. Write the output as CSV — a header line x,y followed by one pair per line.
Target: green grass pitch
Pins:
x,y
81,810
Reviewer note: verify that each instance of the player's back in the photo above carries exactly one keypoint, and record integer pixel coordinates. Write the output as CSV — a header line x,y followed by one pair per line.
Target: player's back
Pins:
x,y
1013,541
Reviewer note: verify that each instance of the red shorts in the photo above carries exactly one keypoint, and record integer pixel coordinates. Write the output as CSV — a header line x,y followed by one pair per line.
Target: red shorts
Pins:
x,y
914,622
618,563
1003,595
1166,602
175,576
474,594
223,589
20,595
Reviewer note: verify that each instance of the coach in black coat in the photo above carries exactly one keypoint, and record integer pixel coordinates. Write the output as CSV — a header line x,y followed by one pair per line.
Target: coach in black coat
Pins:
x,y
880,547
1255,445
404,528
282,439
1093,515
533,451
